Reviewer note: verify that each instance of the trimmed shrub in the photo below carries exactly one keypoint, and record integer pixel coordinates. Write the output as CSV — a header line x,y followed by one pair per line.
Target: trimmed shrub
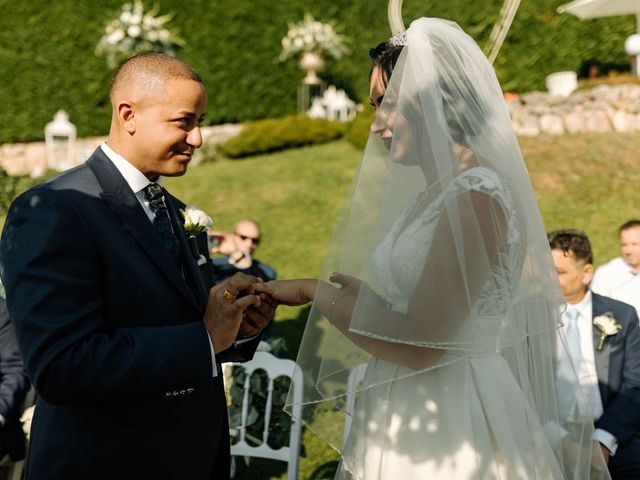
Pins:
x,y
271,135
8,187
359,128
12,186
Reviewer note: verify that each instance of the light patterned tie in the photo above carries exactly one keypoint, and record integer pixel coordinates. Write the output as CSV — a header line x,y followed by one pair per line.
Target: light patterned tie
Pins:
x,y
161,221
573,337
569,365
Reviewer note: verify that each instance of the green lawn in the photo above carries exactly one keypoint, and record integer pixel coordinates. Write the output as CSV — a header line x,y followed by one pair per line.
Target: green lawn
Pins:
x,y
582,181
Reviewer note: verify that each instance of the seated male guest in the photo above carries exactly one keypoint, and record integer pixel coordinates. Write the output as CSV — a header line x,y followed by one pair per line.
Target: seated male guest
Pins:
x,y
239,249
608,362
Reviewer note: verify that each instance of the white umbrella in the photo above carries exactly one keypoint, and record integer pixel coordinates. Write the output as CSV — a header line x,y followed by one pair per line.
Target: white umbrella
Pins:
x,y
584,9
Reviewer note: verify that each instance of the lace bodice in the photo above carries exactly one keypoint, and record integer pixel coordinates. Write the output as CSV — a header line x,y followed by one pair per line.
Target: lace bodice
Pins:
x,y
400,258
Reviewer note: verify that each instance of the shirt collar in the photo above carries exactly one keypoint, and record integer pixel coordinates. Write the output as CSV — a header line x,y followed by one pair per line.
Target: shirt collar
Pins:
x,y
628,268
134,177
584,305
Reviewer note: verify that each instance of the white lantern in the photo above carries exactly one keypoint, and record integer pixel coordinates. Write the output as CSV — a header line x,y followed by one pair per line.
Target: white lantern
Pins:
x,y
632,45
60,141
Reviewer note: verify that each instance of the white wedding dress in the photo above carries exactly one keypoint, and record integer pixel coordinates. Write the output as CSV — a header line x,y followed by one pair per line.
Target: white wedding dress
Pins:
x,y
467,418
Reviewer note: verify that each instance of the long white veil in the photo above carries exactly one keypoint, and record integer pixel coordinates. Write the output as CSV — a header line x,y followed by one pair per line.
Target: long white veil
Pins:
x,y
479,282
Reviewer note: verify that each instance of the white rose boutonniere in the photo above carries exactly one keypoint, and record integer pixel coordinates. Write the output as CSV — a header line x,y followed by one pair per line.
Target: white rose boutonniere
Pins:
x,y
607,326
196,221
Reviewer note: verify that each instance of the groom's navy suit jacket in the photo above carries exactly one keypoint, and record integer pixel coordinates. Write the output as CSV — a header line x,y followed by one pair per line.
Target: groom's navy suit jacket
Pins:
x,y
112,335
618,369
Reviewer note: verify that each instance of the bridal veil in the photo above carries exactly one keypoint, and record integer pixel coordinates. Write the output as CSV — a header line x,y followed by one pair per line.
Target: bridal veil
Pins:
x,y
482,283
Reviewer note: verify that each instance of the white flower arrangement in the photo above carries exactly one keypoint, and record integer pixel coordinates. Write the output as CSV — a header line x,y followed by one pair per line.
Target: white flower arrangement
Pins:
x,y
607,326
310,35
135,31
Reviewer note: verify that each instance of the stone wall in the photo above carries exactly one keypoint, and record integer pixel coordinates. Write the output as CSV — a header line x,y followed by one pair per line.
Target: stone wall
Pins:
x,y
31,158
606,108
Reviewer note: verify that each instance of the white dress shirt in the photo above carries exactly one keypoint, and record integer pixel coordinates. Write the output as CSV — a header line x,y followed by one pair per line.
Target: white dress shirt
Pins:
x,y
588,376
617,279
137,181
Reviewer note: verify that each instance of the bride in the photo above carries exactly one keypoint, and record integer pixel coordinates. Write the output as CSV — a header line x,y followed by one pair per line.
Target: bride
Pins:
x,y
448,293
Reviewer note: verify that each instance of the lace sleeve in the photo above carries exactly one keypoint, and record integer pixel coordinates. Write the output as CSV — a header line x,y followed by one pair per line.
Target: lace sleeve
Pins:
x,y
498,294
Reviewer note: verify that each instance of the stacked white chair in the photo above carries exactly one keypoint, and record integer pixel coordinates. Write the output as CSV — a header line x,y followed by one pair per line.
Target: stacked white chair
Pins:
x,y
274,367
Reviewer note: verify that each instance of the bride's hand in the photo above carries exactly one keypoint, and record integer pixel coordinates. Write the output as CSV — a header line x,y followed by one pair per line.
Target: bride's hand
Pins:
x,y
349,285
289,292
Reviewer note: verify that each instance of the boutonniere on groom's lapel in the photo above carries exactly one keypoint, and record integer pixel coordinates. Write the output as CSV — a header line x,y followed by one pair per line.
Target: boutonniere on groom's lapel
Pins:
x,y
195,222
607,326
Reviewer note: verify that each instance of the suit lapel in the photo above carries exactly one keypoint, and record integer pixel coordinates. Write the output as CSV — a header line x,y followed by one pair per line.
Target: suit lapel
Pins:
x,y
120,198
603,356
191,270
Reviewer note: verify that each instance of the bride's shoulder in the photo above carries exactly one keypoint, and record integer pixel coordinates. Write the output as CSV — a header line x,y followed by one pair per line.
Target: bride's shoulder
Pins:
x,y
479,179
483,180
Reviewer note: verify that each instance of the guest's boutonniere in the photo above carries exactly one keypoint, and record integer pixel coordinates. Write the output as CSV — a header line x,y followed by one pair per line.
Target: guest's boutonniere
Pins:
x,y
607,326
195,222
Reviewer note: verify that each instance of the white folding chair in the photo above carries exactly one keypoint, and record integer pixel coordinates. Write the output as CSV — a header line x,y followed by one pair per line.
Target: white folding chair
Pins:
x,y
353,382
274,367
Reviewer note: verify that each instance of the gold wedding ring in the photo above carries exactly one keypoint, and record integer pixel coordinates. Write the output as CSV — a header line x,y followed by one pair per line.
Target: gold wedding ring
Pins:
x,y
228,295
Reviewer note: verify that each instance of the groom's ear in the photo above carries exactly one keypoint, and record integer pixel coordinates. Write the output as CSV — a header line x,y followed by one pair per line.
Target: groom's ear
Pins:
x,y
126,115
587,274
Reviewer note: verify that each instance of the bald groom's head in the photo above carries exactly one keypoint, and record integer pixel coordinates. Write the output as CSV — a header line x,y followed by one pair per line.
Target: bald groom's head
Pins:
x,y
145,73
158,103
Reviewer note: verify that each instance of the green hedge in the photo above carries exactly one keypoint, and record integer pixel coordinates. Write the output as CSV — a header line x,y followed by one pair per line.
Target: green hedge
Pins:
x,y
272,135
11,186
47,59
358,130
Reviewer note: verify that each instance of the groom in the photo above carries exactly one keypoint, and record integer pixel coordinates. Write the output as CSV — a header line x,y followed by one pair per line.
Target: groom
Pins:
x,y
118,326
615,358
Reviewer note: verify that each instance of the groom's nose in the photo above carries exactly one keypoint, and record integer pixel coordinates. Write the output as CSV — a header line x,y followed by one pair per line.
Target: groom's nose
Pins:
x,y
194,138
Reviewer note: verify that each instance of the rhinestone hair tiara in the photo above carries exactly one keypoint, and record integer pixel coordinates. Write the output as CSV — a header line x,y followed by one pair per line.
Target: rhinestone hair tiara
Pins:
x,y
398,39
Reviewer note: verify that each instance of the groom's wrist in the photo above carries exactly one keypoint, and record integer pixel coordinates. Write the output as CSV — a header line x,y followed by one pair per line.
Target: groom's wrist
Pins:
x,y
606,439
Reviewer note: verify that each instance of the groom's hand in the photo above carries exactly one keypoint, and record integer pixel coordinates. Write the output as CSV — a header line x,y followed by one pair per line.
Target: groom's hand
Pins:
x,y
227,304
256,318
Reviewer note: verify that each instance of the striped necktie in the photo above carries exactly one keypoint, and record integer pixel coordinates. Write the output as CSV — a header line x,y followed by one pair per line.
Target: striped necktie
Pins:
x,y
161,221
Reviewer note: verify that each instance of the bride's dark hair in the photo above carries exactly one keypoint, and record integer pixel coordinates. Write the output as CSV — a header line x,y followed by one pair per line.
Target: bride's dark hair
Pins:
x,y
385,55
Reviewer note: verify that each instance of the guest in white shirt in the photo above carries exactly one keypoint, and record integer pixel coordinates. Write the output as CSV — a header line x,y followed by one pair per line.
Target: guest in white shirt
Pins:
x,y
608,365
619,278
